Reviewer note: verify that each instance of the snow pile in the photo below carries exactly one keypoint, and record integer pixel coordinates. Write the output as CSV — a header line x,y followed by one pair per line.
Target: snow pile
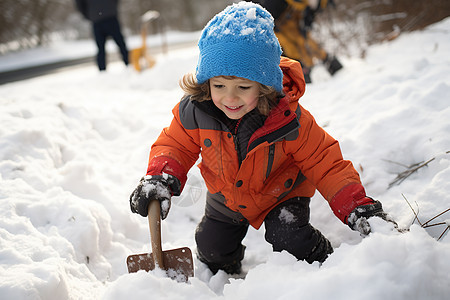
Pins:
x,y
74,145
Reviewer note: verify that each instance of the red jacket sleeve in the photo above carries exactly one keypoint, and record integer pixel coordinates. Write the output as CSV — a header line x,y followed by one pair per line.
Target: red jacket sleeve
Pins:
x,y
347,199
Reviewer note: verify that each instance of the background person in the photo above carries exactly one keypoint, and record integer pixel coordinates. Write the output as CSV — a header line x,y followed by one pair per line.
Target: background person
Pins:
x,y
293,23
105,23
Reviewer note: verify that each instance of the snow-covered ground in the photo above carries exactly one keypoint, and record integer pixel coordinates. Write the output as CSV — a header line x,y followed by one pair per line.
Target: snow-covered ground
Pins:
x,y
73,146
67,50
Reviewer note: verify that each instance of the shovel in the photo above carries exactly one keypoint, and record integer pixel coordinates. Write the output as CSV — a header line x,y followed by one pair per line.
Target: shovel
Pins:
x,y
177,263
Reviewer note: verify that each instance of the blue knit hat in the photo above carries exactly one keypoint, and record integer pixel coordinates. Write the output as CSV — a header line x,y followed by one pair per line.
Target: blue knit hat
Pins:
x,y
240,41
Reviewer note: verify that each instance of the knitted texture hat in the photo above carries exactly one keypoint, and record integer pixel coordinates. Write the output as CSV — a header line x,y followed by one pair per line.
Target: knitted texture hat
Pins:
x,y
240,41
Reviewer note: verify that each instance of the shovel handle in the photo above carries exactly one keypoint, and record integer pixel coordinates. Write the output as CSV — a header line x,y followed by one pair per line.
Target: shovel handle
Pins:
x,y
154,222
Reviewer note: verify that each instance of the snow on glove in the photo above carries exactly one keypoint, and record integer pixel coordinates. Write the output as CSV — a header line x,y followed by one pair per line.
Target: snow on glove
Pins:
x,y
357,220
151,188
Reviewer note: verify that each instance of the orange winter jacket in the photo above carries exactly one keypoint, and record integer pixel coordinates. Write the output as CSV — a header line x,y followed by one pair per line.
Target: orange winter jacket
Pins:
x,y
288,156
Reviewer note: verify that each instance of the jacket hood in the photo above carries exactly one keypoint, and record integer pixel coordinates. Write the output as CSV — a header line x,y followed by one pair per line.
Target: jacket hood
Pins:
x,y
293,80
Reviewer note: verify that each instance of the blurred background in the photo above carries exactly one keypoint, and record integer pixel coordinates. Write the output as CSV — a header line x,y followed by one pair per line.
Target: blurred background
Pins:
x,y
27,24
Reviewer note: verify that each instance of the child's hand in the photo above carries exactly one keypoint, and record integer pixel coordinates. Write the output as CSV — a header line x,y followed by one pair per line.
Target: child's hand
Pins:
x,y
357,220
151,188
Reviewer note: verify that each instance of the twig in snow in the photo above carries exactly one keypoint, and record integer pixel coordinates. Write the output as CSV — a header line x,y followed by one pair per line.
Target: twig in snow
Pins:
x,y
416,217
411,169
426,224
448,227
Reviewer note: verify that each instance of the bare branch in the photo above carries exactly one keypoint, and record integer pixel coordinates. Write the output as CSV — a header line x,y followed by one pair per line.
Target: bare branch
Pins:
x,y
448,209
443,233
411,170
415,214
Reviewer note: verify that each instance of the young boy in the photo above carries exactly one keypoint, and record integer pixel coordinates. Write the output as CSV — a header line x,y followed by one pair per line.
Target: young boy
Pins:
x,y
263,155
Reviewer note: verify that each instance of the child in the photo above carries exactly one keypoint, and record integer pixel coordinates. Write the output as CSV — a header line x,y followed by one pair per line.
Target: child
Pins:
x,y
263,155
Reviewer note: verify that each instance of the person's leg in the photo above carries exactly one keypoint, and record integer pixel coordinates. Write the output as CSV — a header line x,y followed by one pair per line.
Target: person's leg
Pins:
x,y
219,237
288,228
292,42
116,34
332,64
100,39
314,49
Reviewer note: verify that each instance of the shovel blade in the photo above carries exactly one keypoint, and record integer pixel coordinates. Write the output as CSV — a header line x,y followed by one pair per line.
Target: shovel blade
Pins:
x,y
178,263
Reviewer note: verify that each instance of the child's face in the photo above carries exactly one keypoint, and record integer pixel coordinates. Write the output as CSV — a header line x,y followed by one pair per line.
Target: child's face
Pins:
x,y
235,97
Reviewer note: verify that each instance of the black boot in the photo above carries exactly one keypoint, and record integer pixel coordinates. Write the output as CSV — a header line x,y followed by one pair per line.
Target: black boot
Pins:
x,y
321,251
231,268
332,64
234,266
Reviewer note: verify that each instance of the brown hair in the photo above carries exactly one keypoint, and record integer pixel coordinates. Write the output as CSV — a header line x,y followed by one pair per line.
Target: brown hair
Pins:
x,y
268,96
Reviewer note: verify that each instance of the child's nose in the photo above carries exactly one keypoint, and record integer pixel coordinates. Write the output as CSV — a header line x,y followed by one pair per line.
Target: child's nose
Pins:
x,y
232,95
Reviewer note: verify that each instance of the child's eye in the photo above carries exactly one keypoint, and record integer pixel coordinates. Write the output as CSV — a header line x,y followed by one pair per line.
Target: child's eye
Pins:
x,y
218,86
244,87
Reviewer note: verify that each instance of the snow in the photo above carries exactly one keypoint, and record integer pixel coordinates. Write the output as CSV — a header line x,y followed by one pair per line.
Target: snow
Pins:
x,y
73,146
286,216
251,14
225,24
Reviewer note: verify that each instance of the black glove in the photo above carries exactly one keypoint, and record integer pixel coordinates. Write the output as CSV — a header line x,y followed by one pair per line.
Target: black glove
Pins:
x,y
151,188
357,220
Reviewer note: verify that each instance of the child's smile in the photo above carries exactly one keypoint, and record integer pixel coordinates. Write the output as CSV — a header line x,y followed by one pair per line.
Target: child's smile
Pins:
x,y
233,108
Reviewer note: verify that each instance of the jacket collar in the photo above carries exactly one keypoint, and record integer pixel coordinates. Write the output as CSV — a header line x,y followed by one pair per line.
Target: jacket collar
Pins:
x,y
279,124
283,119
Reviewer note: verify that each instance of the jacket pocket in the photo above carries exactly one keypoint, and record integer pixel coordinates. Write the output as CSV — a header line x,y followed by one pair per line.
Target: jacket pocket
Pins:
x,y
281,181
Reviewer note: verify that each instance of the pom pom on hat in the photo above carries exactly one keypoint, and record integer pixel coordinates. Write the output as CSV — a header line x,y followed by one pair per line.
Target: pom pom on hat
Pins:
x,y
240,41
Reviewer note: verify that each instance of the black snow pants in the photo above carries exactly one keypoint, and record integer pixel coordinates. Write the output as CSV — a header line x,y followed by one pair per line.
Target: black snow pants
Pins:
x,y
102,30
221,231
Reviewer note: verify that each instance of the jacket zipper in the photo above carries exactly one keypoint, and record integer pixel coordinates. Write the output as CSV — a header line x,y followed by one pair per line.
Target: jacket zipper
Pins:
x,y
270,159
236,141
